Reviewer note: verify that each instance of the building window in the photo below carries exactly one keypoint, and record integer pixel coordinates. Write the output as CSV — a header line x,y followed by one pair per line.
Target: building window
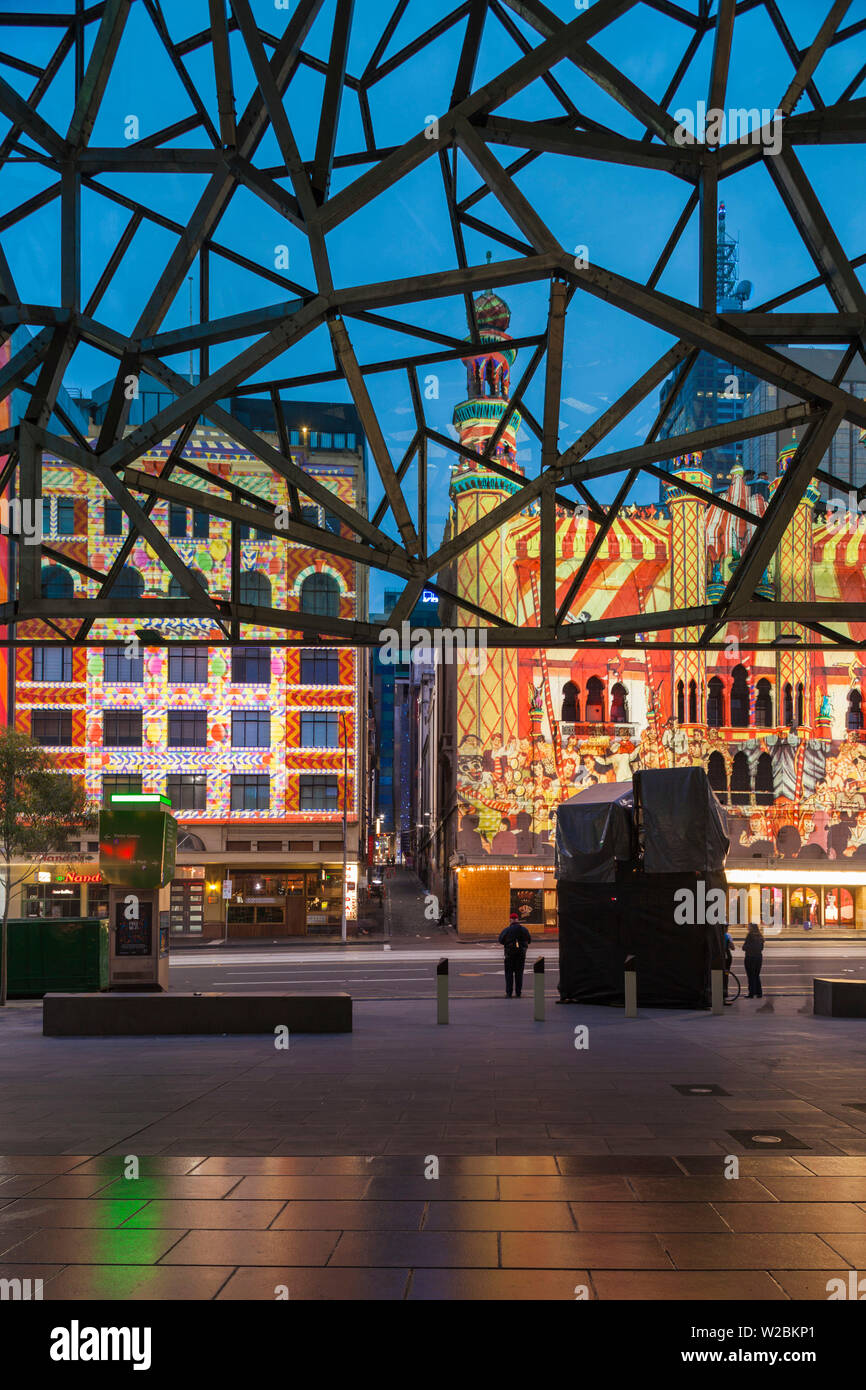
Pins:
x,y
251,665
741,782
120,784
800,704
250,792
681,703
618,704
57,582
320,667
717,776
594,701
187,728
570,711
112,519
52,900
120,669
715,704
200,523
854,717
789,707
176,589
186,791
764,789
739,700
251,728
52,728
177,521
320,594
65,516
693,702
187,665
121,728
319,730
255,588
332,523
310,515
318,793
52,663
129,583
764,705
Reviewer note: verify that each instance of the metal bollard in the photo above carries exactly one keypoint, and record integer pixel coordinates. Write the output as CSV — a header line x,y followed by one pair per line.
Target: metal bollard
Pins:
x,y
717,978
538,982
630,978
442,991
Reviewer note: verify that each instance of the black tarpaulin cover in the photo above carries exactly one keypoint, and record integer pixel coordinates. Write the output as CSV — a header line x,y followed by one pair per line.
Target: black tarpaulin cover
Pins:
x,y
684,827
593,831
601,925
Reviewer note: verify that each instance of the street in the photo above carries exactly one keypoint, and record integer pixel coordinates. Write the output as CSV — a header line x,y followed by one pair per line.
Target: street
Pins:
x,y
371,972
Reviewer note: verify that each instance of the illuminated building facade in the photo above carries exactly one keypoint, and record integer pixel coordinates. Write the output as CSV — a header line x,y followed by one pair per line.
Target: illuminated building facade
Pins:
x,y
780,732
258,747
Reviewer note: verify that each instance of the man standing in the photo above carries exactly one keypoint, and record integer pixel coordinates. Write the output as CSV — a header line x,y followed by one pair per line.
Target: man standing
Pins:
x,y
515,939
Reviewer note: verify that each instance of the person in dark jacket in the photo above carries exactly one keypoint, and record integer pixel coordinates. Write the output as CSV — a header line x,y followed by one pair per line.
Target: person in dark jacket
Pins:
x,y
515,939
729,960
753,949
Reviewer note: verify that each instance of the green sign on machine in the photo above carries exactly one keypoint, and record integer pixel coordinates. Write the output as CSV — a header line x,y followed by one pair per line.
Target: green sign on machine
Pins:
x,y
137,841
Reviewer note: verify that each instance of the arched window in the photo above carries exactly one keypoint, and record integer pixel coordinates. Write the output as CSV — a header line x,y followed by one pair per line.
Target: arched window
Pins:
x,y
175,589
717,776
129,583
594,701
854,717
715,704
681,703
320,594
800,703
741,783
255,587
764,705
570,712
693,702
740,700
57,582
618,704
788,717
764,789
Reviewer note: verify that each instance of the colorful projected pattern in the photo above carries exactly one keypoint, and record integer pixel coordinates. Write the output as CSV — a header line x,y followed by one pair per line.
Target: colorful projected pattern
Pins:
x,y
282,567
781,732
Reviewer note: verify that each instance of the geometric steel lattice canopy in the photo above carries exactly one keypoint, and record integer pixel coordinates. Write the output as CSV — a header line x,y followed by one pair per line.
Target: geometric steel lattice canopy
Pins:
x,y
312,121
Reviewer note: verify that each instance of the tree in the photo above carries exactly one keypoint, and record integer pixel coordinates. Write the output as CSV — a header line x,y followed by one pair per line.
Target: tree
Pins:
x,y
39,810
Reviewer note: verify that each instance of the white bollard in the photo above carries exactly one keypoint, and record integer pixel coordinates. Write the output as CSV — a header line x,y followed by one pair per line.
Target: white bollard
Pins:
x,y
630,977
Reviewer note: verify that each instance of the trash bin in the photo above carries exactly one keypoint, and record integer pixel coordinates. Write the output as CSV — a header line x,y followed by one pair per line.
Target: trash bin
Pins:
x,y
67,955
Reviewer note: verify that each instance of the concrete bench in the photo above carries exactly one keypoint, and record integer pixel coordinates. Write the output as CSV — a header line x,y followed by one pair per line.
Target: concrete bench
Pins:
x,y
840,998
152,1015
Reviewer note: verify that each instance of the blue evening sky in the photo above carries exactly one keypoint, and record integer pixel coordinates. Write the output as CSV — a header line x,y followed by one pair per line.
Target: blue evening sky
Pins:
x,y
623,215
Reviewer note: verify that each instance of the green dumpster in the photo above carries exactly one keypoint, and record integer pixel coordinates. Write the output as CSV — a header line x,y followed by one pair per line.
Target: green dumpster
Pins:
x,y
67,955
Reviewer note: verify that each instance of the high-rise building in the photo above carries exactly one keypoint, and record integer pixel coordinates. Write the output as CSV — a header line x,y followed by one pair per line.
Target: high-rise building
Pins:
x,y
714,391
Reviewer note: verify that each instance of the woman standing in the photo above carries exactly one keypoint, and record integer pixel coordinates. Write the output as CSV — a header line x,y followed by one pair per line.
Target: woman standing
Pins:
x,y
753,949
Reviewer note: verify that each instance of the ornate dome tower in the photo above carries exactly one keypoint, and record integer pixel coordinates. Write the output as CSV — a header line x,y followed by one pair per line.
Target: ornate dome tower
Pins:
x,y
487,702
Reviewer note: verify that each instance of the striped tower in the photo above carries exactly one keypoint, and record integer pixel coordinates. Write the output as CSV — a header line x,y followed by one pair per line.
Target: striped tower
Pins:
x,y
487,702
689,571
796,583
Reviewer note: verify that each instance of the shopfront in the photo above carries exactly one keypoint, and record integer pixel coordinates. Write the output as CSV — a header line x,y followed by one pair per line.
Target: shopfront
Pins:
x,y
802,901
486,897
239,901
62,891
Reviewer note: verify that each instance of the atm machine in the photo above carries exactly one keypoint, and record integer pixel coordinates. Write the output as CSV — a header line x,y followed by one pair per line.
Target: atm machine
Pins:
x,y
137,846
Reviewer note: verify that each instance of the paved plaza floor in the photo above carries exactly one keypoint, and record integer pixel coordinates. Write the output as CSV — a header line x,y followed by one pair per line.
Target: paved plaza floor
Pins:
x,y
489,1159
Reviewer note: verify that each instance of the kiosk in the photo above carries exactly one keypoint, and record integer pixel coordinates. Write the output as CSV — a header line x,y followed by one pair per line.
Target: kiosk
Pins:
x,y
137,845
